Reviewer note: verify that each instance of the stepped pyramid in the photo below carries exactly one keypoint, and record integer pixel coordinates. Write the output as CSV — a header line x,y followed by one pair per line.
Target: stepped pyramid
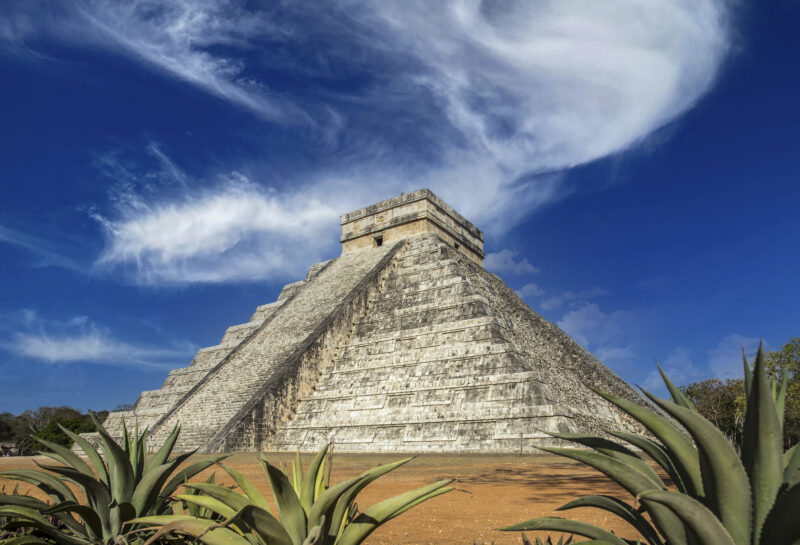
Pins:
x,y
403,343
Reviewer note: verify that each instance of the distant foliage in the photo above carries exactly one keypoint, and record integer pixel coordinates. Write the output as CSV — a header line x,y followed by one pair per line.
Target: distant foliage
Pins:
x,y
45,422
723,403
786,362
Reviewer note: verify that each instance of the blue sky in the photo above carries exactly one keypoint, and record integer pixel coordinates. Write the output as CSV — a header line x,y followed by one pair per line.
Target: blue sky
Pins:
x,y
167,166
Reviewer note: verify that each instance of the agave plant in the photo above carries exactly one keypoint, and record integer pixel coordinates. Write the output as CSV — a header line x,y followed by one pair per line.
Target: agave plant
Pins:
x,y
310,511
115,488
719,497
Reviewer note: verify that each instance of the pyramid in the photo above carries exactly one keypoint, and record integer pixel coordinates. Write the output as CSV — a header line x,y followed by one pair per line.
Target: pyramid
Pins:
x,y
403,343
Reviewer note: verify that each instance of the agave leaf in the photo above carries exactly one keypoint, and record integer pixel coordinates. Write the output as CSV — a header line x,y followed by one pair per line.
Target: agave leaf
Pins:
x,y
290,510
315,535
87,514
310,480
297,473
65,456
149,486
762,445
232,499
702,522
24,540
343,505
782,525
188,472
208,502
328,501
263,524
32,518
119,467
678,396
426,497
632,481
616,451
620,509
726,485
49,484
24,501
676,444
250,490
655,451
119,514
374,516
206,531
555,524
95,491
141,456
42,507
162,455
791,466
748,373
627,477
91,454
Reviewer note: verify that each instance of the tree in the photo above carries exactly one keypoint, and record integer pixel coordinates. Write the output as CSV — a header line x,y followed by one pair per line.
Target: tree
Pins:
x,y
722,403
786,363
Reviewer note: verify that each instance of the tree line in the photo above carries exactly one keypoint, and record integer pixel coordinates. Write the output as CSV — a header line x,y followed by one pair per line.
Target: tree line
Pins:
x,y
723,402
16,431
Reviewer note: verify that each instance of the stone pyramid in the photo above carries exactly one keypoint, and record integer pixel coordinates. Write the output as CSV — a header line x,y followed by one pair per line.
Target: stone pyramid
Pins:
x,y
403,343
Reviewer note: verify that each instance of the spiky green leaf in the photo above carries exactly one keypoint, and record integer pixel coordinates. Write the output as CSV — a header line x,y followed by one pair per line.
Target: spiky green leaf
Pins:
x,y
683,454
621,510
250,490
309,485
290,510
555,524
782,525
365,523
702,522
762,445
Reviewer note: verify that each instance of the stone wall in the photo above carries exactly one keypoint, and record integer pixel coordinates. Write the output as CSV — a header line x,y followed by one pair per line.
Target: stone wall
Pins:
x,y
446,358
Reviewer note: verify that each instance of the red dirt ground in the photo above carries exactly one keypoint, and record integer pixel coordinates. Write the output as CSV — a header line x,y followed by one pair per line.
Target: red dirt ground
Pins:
x,y
492,491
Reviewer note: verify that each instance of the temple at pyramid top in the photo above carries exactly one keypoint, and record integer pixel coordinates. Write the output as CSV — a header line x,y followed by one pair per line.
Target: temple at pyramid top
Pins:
x,y
408,215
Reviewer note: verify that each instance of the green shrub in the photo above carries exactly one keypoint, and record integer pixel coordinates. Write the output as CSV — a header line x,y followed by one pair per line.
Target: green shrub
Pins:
x,y
310,511
117,487
719,497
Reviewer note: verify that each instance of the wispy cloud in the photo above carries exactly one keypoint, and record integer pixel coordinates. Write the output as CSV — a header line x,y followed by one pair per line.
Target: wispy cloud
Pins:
x,y
723,361
79,340
490,104
530,290
233,230
608,335
505,261
557,300
45,251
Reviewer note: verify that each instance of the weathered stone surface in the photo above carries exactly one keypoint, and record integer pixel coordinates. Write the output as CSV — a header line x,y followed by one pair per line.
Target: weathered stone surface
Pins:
x,y
401,344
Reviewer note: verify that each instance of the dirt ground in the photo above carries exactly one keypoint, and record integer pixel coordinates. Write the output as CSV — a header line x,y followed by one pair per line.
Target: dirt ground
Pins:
x,y
492,491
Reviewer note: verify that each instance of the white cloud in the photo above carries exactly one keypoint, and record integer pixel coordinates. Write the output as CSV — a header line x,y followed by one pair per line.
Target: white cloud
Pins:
x,y
502,97
678,366
557,300
504,262
80,340
44,250
725,359
589,325
530,290
608,335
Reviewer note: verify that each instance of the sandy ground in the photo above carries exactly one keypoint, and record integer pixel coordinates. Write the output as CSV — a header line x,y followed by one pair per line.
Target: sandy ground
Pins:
x,y
492,491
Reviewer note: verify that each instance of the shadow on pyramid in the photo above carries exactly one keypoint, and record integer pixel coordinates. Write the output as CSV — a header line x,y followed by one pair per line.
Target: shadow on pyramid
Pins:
x,y
403,343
